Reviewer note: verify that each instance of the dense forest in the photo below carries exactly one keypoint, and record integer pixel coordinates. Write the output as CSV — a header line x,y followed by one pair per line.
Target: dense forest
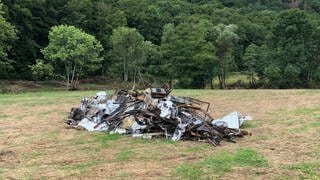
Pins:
x,y
276,43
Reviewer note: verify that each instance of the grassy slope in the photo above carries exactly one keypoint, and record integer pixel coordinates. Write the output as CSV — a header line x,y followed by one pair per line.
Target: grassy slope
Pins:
x,y
285,143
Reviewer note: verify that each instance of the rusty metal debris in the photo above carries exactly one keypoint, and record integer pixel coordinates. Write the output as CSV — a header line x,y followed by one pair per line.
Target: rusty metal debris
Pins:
x,y
154,112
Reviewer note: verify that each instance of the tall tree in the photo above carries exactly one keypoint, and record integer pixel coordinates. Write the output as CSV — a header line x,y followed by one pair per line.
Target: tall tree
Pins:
x,y
313,58
128,51
292,33
74,51
224,37
255,60
106,17
188,56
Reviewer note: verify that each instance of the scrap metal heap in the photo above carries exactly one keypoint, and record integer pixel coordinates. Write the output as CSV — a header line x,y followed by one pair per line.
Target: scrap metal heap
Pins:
x,y
154,113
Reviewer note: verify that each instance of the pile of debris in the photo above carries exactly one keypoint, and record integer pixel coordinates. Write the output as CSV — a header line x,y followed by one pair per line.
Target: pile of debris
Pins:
x,y
154,112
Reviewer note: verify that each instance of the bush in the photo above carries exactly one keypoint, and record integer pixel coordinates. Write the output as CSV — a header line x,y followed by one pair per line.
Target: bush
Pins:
x,y
41,71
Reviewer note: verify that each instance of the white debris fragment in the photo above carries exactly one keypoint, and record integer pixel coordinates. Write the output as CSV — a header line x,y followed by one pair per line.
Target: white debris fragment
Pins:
x,y
233,120
101,95
110,107
168,109
90,125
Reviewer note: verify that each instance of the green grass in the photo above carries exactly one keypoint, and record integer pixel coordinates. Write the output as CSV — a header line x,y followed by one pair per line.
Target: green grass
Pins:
x,y
308,92
32,155
3,116
197,148
83,166
189,171
249,158
263,137
1,172
220,163
233,78
155,141
305,111
310,169
306,127
125,154
103,139
249,124
150,155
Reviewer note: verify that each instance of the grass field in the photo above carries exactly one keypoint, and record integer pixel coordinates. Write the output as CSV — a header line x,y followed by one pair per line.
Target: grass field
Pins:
x,y
285,141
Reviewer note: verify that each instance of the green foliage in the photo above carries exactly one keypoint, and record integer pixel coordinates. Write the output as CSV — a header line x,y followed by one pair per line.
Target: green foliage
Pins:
x,y
42,71
78,13
292,31
186,42
7,36
129,52
153,56
255,59
72,50
224,37
273,75
188,55
33,20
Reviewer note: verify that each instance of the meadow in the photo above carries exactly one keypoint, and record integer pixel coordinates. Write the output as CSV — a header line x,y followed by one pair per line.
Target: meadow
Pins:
x,y
35,143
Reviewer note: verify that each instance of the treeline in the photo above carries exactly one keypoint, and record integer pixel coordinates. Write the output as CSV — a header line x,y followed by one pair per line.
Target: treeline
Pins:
x,y
185,42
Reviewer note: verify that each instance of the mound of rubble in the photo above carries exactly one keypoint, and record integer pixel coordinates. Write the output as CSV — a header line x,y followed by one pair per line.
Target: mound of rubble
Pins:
x,y
154,112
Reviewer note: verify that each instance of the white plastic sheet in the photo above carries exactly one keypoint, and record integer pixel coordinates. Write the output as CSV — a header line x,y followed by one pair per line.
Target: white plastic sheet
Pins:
x,y
233,120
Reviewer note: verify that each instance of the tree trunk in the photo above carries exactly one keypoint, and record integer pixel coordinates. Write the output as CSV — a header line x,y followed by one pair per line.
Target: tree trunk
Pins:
x,y
221,73
73,73
74,83
124,69
68,77
211,84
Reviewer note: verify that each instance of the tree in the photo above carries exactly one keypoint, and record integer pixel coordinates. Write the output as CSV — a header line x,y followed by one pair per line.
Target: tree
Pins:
x,y
224,37
187,54
151,68
273,75
7,36
128,51
106,17
251,57
73,49
255,59
313,57
292,34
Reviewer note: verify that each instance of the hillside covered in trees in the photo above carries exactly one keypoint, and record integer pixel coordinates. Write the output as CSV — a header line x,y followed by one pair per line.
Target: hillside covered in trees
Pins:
x,y
276,43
